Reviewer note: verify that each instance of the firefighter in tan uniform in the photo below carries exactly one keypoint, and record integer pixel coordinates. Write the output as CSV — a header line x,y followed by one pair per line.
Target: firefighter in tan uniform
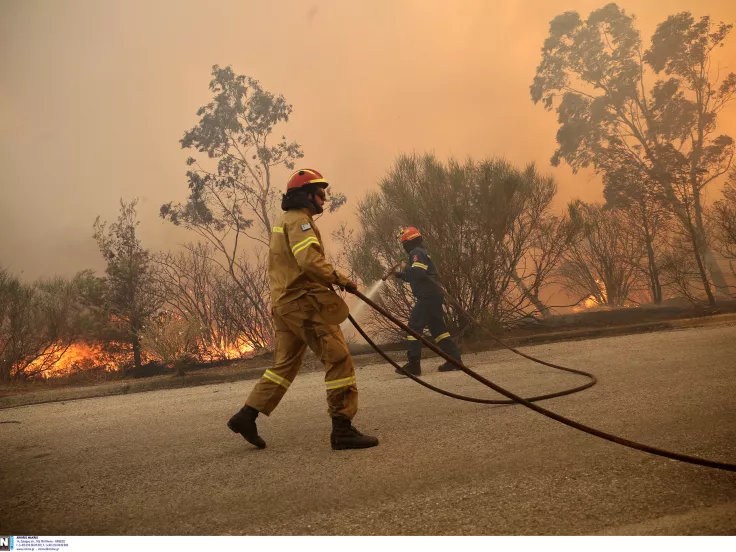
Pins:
x,y
306,313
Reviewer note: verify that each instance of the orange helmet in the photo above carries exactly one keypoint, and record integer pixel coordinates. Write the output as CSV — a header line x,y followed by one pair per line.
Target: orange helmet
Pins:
x,y
408,234
302,177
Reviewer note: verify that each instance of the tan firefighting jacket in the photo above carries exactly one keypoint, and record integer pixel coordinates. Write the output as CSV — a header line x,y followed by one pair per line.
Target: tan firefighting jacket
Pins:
x,y
296,261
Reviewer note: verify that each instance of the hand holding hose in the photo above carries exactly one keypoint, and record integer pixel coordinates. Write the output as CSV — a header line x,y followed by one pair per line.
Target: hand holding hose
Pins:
x,y
392,271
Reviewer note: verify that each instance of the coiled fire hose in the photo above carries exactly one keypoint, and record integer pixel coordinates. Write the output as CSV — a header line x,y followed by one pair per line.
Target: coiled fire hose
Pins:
x,y
515,398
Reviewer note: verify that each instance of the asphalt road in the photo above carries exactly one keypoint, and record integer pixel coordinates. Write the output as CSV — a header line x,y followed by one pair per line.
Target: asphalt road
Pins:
x,y
164,463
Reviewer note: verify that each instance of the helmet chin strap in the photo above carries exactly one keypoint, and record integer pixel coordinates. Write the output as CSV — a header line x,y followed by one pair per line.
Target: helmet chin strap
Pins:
x,y
317,207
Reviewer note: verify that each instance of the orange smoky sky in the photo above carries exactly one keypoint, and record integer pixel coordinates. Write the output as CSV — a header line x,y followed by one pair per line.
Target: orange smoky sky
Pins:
x,y
95,95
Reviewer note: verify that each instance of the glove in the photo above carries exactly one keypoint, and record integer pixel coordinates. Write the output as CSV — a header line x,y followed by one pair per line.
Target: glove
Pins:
x,y
345,283
390,273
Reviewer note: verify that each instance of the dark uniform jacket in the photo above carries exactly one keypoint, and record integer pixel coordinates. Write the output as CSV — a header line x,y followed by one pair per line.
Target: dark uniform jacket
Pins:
x,y
421,274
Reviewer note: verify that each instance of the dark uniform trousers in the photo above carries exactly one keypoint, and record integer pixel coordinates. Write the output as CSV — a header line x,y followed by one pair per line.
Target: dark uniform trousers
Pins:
x,y
427,312
298,326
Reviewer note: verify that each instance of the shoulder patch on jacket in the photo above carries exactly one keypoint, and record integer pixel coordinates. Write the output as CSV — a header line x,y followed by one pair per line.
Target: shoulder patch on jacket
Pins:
x,y
306,226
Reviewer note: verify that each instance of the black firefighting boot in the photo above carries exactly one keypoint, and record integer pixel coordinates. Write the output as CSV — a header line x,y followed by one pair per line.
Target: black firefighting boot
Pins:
x,y
244,422
414,367
345,436
449,366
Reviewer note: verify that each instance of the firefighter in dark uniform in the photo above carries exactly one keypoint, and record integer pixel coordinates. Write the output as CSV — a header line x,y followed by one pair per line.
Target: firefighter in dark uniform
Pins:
x,y
306,313
421,275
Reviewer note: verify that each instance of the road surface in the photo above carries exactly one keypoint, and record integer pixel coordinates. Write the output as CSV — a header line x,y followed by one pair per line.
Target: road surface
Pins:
x,y
164,463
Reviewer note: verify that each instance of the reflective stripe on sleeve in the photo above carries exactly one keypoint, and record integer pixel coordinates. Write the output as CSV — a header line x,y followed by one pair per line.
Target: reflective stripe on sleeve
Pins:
x,y
302,245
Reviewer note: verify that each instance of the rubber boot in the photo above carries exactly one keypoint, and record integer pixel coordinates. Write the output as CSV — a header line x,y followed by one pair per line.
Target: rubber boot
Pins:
x,y
414,367
244,422
345,436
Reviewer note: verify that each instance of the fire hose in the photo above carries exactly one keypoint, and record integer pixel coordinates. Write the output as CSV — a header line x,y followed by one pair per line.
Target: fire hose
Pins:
x,y
513,398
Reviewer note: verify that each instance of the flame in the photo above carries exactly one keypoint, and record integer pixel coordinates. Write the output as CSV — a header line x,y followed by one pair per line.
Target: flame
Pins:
x,y
225,351
592,302
589,303
77,357
171,334
169,339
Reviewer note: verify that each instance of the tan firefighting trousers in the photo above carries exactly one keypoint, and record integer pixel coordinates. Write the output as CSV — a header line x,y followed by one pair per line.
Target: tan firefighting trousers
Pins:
x,y
298,325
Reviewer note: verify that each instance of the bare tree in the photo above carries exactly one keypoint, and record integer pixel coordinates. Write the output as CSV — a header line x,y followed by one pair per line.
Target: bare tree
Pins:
x,y
680,270
643,208
601,261
196,289
724,216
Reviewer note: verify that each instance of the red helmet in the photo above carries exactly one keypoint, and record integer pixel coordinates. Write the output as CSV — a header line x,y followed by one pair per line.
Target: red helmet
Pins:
x,y
408,234
302,177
